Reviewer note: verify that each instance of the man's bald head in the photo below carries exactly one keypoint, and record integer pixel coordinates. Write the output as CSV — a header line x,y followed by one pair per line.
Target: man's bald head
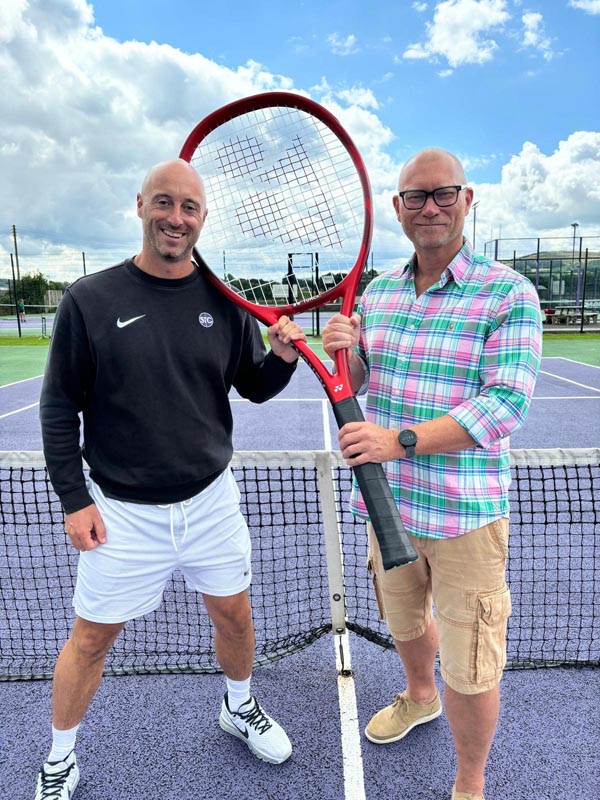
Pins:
x,y
176,167
435,159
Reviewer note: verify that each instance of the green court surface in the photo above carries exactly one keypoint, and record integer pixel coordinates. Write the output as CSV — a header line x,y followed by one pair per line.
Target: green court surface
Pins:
x,y
579,347
21,359
25,358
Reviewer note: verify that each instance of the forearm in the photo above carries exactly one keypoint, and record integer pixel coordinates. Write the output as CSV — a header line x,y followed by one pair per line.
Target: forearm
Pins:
x,y
357,371
362,442
441,435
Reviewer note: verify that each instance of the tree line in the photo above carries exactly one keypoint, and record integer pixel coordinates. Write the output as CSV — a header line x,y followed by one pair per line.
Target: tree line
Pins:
x,y
32,288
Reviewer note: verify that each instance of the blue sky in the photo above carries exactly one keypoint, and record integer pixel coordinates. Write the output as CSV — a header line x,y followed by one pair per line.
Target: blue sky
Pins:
x,y
91,94
484,100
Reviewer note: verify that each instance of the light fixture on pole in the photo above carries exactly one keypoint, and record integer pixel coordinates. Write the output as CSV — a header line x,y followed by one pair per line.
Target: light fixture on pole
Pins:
x,y
474,208
574,225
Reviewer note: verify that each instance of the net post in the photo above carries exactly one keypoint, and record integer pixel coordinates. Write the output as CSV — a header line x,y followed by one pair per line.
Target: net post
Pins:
x,y
333,555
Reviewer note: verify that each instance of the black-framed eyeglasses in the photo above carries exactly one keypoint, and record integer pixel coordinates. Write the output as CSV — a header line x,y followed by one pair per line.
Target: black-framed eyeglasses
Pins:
x,y
443,196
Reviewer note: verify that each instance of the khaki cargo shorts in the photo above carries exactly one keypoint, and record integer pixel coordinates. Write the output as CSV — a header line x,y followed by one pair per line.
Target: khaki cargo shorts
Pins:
x,y
464,578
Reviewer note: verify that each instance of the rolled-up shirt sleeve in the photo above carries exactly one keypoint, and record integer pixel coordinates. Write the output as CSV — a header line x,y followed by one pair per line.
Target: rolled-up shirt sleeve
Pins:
x,y
509,365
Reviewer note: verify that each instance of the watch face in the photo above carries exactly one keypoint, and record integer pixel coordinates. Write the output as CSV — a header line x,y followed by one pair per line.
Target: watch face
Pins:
x,y
407,438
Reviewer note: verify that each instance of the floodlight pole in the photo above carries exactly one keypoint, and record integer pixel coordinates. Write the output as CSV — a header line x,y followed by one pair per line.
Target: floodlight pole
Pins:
x,y
12,266
14,230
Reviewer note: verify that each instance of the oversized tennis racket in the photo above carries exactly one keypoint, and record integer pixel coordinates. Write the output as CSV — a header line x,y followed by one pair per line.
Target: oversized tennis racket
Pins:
x,y
290,216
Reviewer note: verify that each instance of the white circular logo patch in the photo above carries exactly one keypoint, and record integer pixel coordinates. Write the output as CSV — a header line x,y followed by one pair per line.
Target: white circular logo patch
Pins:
x,y
205,319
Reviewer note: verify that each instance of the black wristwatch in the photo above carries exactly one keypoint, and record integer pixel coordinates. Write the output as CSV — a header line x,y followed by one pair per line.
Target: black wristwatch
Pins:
x,y
408,440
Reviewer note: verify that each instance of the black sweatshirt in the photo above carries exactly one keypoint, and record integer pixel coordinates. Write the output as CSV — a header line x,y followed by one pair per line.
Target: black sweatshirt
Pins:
x,y
149,362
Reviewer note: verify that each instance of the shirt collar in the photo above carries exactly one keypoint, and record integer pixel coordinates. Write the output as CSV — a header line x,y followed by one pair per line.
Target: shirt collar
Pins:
x,y
456,270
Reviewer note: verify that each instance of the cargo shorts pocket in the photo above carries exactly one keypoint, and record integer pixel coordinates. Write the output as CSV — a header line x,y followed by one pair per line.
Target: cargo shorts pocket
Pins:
x,y
489,645
376,588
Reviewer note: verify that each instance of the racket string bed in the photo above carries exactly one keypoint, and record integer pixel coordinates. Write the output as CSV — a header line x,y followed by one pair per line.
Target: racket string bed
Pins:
x,y
278,179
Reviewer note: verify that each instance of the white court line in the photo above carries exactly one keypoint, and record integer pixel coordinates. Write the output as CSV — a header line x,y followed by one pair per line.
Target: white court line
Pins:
x,y
280,400
562,397
326,428
18,410
354,780
16,383
571,361
361,400
568,380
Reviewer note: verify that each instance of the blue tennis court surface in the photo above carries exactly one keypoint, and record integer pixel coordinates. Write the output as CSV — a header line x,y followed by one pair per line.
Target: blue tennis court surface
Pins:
x,y
565,412
158,736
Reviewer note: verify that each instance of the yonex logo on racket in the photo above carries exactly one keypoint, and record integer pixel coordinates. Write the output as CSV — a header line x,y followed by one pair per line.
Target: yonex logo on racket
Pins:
x,y
338,387
205,319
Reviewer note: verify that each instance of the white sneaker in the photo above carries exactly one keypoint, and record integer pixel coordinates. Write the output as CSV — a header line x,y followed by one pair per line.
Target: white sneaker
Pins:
x,y
58,780
263,735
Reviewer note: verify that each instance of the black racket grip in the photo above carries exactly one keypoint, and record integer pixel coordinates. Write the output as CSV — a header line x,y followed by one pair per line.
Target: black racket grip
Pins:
x,y
395,546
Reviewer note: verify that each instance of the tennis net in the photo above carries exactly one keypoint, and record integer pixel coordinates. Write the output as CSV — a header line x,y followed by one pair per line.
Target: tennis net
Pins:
x,y
309,567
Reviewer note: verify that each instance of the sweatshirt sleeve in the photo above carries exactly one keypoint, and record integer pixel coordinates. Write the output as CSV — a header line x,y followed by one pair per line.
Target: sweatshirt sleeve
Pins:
x,y
260,375
63,396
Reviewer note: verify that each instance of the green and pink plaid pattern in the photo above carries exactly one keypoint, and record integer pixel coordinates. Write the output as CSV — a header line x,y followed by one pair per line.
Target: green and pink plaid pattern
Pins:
x,y
469,346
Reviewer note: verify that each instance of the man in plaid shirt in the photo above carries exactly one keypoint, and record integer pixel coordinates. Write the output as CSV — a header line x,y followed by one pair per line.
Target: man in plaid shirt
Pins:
x,y
447,348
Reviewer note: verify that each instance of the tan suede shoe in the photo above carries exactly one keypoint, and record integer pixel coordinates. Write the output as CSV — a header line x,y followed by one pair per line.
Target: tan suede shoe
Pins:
x,y
395,721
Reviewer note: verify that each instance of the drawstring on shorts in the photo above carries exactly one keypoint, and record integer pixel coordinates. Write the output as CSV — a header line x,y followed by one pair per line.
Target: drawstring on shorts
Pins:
x,y
171,506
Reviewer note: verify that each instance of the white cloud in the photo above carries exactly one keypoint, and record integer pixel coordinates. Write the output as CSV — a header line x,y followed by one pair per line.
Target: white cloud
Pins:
x,y
458,32
358,96
473,163
589,6
534,34
539,195
83,116
542,194
420,7
342,47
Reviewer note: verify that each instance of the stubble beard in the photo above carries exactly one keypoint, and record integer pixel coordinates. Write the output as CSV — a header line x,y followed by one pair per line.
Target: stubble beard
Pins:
x,y
168,255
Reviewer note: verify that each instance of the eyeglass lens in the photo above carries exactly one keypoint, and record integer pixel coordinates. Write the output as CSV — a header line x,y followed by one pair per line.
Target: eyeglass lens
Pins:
x,y
442,197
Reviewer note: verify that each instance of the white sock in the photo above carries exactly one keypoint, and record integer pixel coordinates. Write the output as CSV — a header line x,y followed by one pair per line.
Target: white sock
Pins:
x,y
237,693
63,742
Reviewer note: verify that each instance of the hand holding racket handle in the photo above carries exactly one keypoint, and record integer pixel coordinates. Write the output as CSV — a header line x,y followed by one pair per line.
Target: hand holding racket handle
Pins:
x,y
395,546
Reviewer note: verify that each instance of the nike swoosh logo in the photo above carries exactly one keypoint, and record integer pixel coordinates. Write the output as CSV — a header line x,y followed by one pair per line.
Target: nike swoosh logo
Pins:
x,y
128,321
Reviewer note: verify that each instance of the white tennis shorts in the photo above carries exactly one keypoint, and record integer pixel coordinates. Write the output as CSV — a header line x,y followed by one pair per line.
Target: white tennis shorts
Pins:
x,y
205,537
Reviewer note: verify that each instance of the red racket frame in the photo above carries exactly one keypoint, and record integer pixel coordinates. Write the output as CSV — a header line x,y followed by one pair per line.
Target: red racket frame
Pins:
x,y
338,386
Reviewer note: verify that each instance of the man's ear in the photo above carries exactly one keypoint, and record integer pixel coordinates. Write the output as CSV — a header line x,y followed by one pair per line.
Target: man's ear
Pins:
x,y
469,195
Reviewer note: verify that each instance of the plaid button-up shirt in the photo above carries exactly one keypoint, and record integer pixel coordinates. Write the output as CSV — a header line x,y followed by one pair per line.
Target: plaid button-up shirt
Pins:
x,y
469,346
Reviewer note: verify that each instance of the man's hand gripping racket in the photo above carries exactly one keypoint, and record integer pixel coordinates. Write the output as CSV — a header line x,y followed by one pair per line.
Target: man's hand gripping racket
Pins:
x,y
290,217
